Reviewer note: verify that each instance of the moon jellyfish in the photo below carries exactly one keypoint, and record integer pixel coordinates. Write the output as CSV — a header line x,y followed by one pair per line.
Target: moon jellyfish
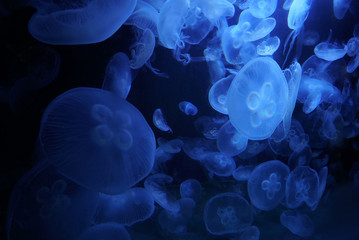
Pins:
x,y
262,8
242,173
266,185
218,93
268,46
134,205
287,4
118,77
230,141
198,148
142,50
108,231
90,22
171,146
191,188
298,223
160,122
340,8
227,213
253,149
256,98
353,64
310,38
188,108
248,233
94,137
209,126
213,10
330,51
300,157
219,164
302,186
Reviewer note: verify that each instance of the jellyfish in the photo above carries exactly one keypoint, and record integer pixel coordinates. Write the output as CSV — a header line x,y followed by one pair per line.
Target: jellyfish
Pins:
x,y
108,231
230,141
353,64
300,157
132,206
242,173
213,10
188,108
82,23
219,164
262,8
216,69
353,46
160,122
298,223
171,146
340,8
208,126
94,137
256,98
310,38
118,77
287,4
218,93
161,157
268,46
302,187
191,188
330,51
253,149
266,184
198,148
248,233
227,213
142,50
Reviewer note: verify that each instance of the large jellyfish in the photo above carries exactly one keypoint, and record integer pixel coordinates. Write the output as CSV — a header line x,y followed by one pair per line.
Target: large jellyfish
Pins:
x,y
257,98
82,23
97,139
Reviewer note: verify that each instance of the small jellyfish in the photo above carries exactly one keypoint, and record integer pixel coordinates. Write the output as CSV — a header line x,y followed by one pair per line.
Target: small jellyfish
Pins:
x,y
227,213
108,231
160,122
300,157
268,46
253,149
209,126
198,148
298,223
219,164
230,141
353,64
142,50
248,233
213,10
340,8
287,4
188,108
353,46
242,173
330,51
266,185
171,146
191,188
262,8
310,38
218,93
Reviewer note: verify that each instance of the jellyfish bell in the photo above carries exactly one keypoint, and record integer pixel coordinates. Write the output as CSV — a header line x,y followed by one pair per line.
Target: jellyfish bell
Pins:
x,y
330,51
142,50
108,231
262,8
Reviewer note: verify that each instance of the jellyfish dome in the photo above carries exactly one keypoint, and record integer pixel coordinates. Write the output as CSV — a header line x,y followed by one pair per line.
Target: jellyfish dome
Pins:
x,y
106,231
97,139
256,99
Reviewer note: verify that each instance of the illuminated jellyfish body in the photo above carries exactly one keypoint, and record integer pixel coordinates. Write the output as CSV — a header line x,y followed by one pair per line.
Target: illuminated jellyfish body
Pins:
x,y
330,51
353,46
209,126
262,8
302,187
248,233
46,205
171,146
256,98
218,93
227,213
198,148
191,188
118,77
266,184
242,173
213,10
253,149
108,231
353,64
159,121
298,223
287,4
268,46
97,139
134,205
142,50
161,157
340,8
188,108
90,22
219,164
230,141
300,157
310,38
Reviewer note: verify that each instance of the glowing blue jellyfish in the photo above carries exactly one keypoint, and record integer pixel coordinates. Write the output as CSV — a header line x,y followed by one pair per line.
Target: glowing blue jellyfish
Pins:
x,y
134,205
310,38
340,8
219,164
188,108
198,148
142,50
108,231
253,149
171,146
302,186
218,93
330,51
80,23
298,223
242,173
209,126
161,158
118,77
353,64
213,10
230,141
266,185
300,157
160,122
248,233
191,188
256,98
268,46
287,4
262,8
227,213
93,137
353,46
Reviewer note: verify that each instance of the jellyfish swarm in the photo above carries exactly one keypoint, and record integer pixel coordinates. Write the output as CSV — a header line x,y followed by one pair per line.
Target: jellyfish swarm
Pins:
x,y
266,184
90,22
97,139
257,97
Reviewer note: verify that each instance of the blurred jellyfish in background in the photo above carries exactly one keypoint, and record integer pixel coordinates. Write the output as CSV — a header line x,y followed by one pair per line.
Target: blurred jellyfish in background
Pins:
x,y
109,231
340,8
188,108
297,223
191,188
310,38
159,121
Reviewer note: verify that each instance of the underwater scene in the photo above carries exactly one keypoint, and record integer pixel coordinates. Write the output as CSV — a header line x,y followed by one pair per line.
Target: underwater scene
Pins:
x,y
179,119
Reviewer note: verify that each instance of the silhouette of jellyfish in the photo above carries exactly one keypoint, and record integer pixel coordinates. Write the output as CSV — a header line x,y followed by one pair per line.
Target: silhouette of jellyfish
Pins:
x,y
97,139
160,122
86,22
227,213
191,188
266,185
108,231
299,224
256,98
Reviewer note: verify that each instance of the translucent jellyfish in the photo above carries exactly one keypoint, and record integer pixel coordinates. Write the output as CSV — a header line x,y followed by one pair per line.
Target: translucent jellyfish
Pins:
x,y
134,205
94,137
298,223
161,158
266,185
253,149
209,126
188,108
118,77
216,69
340,8
142,50
268,46
300,158
198,148
248,233
108,231
242,173
215,9
218,93
310,38
84,22
170,146
219,164
247,52
302,186
256,98
230,141
262,8
227,213
160,122
330,51
191,188
353,46
287,4
353,64
156,185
